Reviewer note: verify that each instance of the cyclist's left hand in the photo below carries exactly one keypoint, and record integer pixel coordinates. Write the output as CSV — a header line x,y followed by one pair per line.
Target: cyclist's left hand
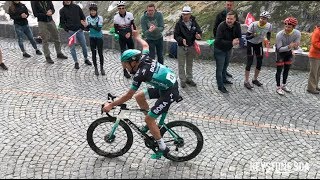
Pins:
x,y
107,107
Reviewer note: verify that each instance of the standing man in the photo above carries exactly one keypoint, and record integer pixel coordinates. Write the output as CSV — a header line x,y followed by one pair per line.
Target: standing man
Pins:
x,y
44,10
314,59
228,35
287,40
73,20
186,31
257,31
222,17
2,65
152,28
123,21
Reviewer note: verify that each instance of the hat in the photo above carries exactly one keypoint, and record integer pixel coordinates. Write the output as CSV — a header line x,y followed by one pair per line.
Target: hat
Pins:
x,y
186,10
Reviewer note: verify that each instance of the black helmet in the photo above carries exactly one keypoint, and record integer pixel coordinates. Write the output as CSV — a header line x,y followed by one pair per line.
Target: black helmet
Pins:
x,y
93,6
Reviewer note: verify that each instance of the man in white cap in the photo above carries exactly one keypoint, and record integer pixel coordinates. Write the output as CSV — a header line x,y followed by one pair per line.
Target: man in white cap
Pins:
x,y
186,31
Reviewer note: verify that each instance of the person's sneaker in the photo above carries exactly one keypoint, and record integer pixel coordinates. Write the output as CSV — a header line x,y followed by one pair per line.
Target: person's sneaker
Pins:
x,y
227,82
61,56
280,91
102,72
76,65
229,75
38,52
160,153
223,90
96,72
286,89
191,83
25,54
313,92
3,66
88,62
183,84
256,82
248,85
126,74
49,60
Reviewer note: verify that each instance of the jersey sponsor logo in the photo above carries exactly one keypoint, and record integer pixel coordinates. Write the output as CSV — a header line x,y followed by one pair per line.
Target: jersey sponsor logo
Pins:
x,y
153,66
159,83
160,107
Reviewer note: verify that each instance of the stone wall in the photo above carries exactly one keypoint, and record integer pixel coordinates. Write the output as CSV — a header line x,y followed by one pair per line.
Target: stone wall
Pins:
x,y
301,61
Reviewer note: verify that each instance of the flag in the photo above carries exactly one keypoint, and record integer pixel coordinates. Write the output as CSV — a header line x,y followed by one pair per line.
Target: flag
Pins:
x,y
72,39
197,48
249,19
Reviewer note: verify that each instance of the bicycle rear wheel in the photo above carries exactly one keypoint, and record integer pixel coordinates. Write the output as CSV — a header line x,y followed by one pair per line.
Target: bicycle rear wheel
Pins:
x,y
187,146
103,144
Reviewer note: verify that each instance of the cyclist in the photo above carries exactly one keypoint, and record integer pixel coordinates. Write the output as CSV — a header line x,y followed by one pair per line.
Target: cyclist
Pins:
x,y
163,80
287,40
257,31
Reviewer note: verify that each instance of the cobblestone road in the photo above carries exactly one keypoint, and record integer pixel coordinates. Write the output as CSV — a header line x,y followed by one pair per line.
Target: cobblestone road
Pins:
x,y
46,109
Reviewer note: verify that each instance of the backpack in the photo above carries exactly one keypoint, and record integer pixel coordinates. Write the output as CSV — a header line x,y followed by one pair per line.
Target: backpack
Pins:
x,y
173,50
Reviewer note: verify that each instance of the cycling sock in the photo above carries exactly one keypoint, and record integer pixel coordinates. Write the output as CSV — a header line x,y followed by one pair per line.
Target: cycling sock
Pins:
x,y
162,145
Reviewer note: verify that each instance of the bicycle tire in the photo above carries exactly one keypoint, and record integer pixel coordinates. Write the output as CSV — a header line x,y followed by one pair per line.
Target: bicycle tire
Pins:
x,y
173,154
113,152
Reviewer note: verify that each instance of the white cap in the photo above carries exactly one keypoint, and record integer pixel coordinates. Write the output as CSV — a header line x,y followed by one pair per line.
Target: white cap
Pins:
x,y
186,10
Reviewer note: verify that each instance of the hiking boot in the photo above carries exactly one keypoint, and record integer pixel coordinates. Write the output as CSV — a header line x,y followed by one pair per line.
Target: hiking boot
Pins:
x,y
229,75
4,67
313,92
49,60
88,62
223,90
96,72
160,153
126,74
280,91
76,65
256,82
61,56
286,89
227,82
191,83
183,84
248,85
38,52
25,54
102,72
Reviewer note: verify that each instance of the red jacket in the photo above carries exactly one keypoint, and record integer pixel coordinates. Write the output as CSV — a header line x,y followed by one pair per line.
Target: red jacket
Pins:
x,y
314,51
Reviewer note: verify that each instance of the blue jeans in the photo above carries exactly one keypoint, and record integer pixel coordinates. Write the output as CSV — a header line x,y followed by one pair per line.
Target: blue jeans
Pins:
x,y
24,30
222,63
156,45
82,41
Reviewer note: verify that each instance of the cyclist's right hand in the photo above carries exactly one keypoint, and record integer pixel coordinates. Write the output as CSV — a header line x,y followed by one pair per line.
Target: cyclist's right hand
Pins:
x,y
107,107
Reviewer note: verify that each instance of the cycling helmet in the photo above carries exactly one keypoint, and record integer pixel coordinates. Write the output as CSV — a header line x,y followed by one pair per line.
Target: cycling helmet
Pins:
x,y
265,14
93,6
291,21
121,3
130,55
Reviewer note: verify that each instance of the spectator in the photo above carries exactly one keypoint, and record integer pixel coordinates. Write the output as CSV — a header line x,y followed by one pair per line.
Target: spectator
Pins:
x,y
287,40
257,31
228,35
72,20
44,10
314,58
152,28
2,65
123,21
96,37
186,31
229,6
19,13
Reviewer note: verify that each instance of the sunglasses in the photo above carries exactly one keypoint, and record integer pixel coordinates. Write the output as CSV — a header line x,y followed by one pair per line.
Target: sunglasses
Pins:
x,y
122,8
288,24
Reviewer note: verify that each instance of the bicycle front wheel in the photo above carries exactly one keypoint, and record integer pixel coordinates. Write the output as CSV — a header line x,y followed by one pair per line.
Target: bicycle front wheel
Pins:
x,y
104,143
188,144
